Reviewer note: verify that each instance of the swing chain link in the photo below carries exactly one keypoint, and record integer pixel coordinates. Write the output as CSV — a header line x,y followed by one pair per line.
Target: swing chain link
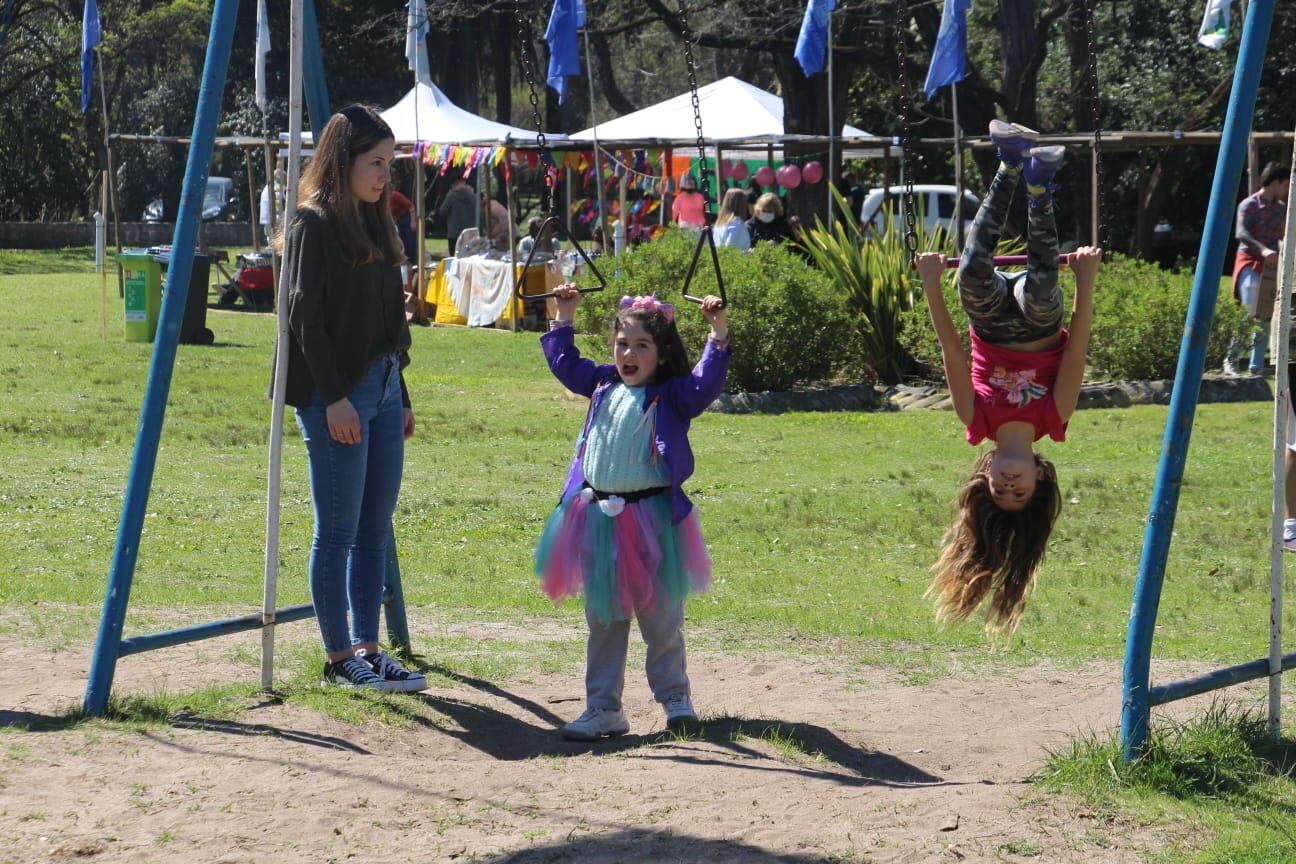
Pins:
x,y
528,71
1090,10
906,129
697,108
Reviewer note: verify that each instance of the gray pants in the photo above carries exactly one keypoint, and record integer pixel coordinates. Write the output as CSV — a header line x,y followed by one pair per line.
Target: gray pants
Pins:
x,y
605,656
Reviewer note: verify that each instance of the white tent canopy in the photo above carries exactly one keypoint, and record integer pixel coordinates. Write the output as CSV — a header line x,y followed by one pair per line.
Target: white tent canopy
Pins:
x,y
440,121
732,110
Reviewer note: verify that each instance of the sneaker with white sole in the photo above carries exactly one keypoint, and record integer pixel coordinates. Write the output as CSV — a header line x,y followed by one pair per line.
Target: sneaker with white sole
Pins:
x,y
596,723
355,673
1289,539
1012,140
679,711
1041,164
390,670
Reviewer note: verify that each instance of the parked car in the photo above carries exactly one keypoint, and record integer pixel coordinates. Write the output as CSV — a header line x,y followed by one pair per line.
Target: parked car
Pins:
x,y
935,202
220,201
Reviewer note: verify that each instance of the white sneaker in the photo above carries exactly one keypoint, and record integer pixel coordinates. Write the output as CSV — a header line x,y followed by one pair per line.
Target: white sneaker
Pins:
x,y
1289,539
596,723
679,710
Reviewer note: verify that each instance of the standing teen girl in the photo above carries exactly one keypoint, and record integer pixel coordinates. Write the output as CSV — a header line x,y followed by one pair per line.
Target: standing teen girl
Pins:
x,y
624,533
1021,383
347,343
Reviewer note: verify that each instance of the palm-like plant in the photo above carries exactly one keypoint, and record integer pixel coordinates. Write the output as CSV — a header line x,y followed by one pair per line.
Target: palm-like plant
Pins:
x,y
877,276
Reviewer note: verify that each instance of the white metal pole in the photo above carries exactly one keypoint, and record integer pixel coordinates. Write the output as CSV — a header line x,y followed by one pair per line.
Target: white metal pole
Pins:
x,y
598,154
958,173
1282,398
269,600
832,128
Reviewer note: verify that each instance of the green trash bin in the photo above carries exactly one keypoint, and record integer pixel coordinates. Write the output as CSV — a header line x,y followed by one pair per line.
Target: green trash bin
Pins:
x,y
144,270
143,292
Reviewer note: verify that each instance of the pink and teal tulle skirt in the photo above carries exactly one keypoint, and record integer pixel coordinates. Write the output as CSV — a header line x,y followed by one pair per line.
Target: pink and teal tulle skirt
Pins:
x,y
623,563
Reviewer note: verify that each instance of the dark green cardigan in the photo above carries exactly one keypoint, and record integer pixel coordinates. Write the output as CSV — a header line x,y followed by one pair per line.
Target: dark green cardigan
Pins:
x,y
341,316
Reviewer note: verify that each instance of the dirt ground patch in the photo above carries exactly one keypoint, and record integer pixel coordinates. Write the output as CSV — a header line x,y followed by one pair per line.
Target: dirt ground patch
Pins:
x,y
819,767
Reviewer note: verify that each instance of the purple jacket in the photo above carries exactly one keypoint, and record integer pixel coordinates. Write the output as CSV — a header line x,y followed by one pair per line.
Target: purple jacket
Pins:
x,y
678,400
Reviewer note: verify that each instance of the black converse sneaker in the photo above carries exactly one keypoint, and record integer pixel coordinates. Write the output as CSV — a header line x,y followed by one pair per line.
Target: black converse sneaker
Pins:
x,y
355,672
389,669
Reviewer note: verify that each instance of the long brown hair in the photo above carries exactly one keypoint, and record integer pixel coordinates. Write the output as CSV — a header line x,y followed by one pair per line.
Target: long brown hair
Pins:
x,y
733,207
994,552
365,231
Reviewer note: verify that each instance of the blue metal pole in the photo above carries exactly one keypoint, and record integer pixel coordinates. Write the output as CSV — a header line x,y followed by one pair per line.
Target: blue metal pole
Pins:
x,y
394,598
149,432
1192,359
223,627
317,98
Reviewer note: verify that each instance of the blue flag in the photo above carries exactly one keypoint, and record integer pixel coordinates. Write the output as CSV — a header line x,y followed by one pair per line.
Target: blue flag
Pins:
x,y
90,37
812,41
567,17
949,60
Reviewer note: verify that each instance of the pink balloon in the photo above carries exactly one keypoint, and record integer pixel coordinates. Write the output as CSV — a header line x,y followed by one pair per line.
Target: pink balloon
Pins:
x,y
789,176
739,171
764,175
812,173
725,168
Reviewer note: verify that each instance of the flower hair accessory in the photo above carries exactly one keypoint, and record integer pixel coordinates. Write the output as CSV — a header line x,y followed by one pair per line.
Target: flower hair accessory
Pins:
x,y
648,304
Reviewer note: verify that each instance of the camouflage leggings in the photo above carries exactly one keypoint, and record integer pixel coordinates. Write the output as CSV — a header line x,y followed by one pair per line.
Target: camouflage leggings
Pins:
x,y
1006,308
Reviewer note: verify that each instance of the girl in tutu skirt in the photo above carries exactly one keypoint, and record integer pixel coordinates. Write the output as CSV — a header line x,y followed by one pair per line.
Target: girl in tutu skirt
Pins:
x,y
624,534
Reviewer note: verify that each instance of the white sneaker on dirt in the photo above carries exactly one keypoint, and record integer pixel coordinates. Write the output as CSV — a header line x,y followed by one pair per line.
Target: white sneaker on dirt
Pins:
x,y
390,670
596,723
679,710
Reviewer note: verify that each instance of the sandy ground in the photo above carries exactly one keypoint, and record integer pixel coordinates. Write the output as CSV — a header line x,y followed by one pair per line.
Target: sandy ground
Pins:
x,y
885,772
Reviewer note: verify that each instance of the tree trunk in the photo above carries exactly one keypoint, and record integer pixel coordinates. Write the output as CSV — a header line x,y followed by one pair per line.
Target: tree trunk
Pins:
x,y
606,83
502,57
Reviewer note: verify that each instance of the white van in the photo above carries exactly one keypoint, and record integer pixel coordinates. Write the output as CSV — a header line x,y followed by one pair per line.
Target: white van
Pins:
x,y
933,201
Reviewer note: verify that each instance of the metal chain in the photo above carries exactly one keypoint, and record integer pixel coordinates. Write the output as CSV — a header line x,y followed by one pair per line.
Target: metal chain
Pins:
x,y
697,108
906,129
1095,107
528,70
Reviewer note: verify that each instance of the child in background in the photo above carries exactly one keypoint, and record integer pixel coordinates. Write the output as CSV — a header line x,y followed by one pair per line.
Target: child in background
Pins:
x,y
624,534
1021,383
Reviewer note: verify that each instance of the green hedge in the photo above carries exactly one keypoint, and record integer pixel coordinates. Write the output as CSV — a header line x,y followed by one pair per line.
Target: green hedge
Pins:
x,y
789,324
1139,314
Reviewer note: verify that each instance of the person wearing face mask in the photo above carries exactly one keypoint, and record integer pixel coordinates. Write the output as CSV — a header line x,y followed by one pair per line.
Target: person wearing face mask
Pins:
x,y
768,223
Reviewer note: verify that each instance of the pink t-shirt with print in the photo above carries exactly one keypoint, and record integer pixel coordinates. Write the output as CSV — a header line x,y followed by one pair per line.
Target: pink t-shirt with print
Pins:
x,y
1014,386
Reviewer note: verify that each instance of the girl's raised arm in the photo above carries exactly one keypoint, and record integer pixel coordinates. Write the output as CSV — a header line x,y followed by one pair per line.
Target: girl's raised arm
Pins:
x,y
1084,263
958,370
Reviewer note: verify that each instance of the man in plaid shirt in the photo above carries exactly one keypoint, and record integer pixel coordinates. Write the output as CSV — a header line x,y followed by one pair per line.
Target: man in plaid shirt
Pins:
x,y
1260,222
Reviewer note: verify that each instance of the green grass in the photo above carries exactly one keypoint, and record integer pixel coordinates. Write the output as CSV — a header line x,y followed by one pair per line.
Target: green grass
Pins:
x,y
1219,779
822,526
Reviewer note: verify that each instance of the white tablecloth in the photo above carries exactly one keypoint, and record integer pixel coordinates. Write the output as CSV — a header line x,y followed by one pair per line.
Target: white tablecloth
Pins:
x,y
480,287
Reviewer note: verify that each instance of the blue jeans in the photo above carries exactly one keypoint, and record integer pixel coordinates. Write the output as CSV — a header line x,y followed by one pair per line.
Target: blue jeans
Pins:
x,y
1248,283
354,489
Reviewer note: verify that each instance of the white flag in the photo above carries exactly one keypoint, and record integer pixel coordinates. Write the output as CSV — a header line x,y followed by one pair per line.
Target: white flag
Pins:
x,y
1215,24
416,31
262,49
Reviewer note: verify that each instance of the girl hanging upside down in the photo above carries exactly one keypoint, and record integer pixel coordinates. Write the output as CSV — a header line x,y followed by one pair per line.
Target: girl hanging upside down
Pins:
x,y
1020,384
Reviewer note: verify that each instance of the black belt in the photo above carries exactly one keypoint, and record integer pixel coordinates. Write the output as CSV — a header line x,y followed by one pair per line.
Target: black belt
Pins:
x,y
628,497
